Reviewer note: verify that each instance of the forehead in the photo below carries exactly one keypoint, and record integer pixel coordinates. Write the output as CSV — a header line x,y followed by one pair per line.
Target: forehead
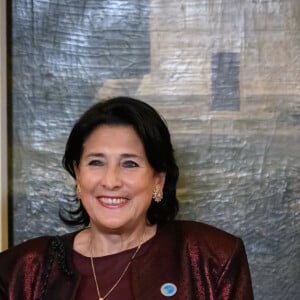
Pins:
x,y
111,136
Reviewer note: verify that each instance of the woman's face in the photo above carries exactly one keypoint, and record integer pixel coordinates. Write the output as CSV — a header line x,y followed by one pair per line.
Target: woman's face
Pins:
x,y
115,179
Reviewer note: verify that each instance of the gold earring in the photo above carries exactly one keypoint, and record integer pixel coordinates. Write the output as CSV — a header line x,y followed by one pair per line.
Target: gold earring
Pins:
x,y
157,194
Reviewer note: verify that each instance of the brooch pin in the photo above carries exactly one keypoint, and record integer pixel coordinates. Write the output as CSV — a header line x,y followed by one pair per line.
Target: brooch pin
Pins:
x,y
168,289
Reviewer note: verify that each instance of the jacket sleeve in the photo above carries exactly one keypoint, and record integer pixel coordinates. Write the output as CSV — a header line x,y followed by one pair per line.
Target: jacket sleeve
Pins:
x,y
235,280
21,269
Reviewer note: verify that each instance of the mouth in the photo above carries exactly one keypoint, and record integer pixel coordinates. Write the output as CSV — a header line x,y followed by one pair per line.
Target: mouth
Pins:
x,y
112,201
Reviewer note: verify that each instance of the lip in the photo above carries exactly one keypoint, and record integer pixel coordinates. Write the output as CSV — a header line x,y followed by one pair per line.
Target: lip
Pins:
x,y
112,202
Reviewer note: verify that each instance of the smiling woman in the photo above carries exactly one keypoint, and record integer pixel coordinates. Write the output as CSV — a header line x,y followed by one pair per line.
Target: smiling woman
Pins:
x,y
130,247
115,183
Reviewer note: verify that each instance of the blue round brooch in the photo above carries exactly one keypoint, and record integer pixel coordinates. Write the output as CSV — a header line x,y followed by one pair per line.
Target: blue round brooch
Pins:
x,y
168,289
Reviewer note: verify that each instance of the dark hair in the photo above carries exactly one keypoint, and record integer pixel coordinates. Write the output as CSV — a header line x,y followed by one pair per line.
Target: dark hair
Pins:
x,y
155,136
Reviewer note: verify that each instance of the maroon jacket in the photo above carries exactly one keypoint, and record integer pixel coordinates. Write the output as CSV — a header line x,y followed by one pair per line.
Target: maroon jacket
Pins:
x,y
202,261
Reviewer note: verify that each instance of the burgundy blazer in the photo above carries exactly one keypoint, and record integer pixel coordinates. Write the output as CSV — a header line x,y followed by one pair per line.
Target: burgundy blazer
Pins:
x,y
203,262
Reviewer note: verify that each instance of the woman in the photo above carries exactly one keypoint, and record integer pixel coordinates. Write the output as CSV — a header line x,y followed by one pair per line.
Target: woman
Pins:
x,y
121,157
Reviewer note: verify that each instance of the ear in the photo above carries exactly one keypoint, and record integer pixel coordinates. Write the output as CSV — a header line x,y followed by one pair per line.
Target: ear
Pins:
x,y
76,169
160,179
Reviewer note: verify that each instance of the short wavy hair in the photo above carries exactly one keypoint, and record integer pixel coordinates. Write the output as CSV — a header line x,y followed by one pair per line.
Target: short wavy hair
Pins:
x,y
155,136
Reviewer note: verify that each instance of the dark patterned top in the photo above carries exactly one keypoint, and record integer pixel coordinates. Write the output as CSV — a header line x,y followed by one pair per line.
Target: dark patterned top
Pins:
x,y
197,260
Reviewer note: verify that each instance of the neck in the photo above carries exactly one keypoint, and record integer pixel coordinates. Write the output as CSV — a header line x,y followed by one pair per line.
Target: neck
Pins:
x,y
106,243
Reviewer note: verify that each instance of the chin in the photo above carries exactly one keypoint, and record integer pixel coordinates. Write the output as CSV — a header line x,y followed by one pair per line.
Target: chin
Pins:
x,y
114,224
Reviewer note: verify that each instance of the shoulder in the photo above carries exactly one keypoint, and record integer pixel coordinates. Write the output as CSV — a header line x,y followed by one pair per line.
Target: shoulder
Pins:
x,y
194,229
204,237
31,249
16,261
24,265
34,245
199,230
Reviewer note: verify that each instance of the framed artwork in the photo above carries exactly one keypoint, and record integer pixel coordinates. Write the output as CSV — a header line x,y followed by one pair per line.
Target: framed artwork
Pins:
x,y
224,74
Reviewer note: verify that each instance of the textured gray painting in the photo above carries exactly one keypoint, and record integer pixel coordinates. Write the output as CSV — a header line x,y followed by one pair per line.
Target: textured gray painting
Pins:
x,y
226,76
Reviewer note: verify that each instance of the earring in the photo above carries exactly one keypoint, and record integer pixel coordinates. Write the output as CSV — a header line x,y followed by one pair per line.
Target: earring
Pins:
x,y
78,192
157,194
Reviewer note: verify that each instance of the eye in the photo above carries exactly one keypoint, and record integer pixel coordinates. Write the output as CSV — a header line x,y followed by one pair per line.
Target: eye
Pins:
x,y
96,163
129,164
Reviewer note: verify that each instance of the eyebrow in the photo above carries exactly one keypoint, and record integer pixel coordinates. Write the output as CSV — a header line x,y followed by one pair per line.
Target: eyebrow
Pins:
x,y
123,155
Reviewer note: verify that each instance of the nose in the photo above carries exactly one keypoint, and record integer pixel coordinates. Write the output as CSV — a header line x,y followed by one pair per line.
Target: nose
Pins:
x,y
111,178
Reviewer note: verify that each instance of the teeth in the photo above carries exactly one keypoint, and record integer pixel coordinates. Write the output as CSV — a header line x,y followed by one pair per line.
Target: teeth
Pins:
x,y
113,200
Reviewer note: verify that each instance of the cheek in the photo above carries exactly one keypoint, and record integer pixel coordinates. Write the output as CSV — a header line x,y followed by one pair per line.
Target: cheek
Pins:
x,y
147,185
87,182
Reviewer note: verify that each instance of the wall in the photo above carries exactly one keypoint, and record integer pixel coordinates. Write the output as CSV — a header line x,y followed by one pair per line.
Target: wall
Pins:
x,y
225,75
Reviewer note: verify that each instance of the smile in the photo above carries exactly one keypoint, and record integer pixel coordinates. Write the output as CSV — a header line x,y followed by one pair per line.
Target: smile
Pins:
x,y
112,201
